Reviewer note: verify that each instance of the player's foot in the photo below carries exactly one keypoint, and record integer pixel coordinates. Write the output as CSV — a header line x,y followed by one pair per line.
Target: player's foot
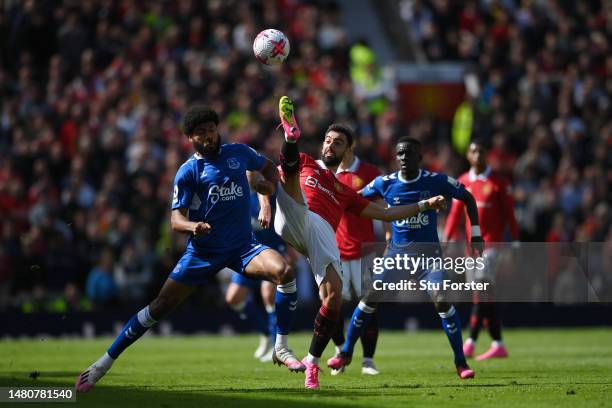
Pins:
x,y
312,374
368,368
341,370
88,378
339,361
285,356
464,371
266,358
265,345
496,351
288,121
468,348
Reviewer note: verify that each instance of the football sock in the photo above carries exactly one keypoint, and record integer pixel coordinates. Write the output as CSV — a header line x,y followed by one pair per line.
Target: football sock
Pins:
x,y
286,303
361,316
134,328
475,321
324,325
494,322
338,335
249,311
271,311
452,326
369,337
290,158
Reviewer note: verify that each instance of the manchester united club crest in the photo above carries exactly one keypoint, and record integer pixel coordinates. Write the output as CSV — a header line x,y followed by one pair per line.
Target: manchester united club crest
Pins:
x,y
357,183
486,188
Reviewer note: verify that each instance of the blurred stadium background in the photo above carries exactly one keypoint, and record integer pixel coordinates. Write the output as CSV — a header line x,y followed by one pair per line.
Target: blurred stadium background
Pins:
x,y
92,91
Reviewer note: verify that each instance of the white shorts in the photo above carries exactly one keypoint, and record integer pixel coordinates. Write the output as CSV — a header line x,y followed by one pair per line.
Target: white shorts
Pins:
x,y
351,277
308,233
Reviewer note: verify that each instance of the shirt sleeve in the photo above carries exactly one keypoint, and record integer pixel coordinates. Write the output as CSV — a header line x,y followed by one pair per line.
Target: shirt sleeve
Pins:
x,y
451,187
254,160
374,189
184,187
356,202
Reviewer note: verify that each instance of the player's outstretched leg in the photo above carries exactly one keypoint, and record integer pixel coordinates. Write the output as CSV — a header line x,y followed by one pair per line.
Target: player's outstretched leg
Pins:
x,y
369,338
170,296
451,323
325,322
361,317
497,349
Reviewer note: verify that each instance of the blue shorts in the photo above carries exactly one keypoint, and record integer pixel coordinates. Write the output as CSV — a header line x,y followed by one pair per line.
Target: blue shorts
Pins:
x,y
271,240
196,269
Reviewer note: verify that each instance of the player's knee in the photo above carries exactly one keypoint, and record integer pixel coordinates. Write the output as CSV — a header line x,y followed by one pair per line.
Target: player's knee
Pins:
x,y
333,299
282,272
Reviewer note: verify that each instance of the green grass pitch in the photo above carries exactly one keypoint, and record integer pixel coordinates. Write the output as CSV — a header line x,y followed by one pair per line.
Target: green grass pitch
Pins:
x,y
565,367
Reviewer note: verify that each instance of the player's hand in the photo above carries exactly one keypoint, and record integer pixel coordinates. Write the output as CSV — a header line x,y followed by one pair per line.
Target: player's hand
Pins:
x,y
265,187
201,228
477,244
436,203
265,216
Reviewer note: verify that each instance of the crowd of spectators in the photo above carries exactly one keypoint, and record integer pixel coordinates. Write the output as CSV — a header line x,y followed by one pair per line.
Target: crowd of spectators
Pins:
x,y
92,93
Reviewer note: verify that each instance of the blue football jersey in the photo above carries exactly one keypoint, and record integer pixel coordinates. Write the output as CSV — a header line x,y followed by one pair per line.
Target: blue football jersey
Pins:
x,y
216,190
422,227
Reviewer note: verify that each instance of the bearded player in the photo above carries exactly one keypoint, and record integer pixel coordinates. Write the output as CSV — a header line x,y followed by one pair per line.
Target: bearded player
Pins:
x,y
310,202
496,211
211,204
352,232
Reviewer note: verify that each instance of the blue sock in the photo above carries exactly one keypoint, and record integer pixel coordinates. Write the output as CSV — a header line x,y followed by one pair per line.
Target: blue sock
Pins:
x,y
271,310
359,320
134,328
251,312
286,303
452,326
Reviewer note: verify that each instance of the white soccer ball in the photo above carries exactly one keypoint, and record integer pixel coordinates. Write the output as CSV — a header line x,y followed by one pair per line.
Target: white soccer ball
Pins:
x,y
271,47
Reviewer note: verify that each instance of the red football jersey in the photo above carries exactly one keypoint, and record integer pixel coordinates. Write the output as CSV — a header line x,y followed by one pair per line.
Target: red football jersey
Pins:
x,y
325,195
495,207
354,230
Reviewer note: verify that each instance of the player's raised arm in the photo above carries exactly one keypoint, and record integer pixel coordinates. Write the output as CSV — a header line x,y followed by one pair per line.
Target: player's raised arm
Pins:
x,y
378,212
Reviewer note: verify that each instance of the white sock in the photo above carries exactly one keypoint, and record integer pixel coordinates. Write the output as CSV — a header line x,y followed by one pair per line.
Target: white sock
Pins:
x,y
282,340
270,308
312,359
497,343
105,361
338,349
470,341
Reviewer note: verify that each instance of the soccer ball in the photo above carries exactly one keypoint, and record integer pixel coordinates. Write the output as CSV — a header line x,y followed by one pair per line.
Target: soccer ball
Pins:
x,y
271,47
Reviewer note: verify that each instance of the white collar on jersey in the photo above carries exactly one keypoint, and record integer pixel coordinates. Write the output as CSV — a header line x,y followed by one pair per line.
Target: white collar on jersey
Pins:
x,y
351,169
403,180
482,176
